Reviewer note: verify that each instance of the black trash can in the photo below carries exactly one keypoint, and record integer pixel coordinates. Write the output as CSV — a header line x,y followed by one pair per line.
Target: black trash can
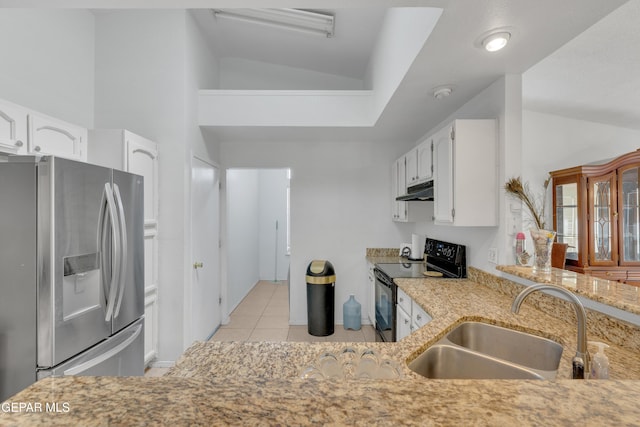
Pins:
x,y
321,282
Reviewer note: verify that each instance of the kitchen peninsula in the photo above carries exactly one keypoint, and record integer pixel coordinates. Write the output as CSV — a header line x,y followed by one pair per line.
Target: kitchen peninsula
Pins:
x,y
258,383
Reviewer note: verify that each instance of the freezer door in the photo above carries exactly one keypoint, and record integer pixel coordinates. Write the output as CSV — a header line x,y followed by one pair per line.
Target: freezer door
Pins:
x,y
119,355
74,258
129,194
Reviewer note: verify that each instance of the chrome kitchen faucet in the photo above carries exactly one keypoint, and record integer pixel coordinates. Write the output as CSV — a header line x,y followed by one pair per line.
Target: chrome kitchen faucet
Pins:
x,y
581,359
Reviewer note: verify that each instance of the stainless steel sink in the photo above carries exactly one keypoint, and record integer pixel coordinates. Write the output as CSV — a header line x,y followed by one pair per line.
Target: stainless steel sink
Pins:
x,y
476,350
507,344
443,361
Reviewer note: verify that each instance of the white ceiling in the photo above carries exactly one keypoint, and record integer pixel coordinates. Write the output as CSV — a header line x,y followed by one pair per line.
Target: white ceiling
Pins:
x,y
451,56
345,54
594,77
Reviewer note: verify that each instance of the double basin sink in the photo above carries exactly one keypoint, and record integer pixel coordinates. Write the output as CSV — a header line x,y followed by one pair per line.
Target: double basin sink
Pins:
x,y
476,350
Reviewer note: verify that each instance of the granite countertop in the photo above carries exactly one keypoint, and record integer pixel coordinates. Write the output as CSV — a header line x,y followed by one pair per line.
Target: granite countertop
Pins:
x,y
259,384
616,294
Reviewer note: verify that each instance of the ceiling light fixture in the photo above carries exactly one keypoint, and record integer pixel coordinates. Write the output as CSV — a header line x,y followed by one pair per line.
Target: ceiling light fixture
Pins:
x,y
496,41
289,19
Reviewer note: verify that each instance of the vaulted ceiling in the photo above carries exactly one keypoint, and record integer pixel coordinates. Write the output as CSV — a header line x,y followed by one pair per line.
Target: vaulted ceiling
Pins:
x,y
451,56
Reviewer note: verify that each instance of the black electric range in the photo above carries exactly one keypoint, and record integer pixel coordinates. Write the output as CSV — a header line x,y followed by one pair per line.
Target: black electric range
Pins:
x,y
443,260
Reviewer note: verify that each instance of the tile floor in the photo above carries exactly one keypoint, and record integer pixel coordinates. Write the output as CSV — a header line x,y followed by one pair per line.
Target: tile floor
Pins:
x,y
263,315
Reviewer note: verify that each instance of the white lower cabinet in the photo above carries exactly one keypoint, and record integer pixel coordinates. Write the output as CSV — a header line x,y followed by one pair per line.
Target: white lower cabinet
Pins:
x,y
409,316
371,294
124,150
403,323
150,324
419,317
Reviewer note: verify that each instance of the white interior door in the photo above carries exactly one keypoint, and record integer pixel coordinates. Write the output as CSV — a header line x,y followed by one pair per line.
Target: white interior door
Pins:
x,y
205,229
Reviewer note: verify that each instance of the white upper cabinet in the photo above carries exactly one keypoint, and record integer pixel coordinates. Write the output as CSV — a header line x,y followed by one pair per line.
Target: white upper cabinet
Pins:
x,y
465,176
24,131
47,135
419,166
411,162
425,160
398,188
13,128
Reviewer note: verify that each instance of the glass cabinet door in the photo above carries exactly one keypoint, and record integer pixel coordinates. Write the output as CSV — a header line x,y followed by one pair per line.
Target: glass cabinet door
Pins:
x,y
566,205
602,220
629,202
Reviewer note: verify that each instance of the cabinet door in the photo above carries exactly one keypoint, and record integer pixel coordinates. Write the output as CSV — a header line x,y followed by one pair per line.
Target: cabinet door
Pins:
x,y
419,317
141,159
629,214
398,188
55,137
403,323
566,217
13,128
425,161
443,177
603,228
411,162
371,294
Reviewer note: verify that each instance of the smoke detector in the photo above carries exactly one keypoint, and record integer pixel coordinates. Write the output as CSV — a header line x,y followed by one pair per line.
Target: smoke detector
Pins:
x,y
441,92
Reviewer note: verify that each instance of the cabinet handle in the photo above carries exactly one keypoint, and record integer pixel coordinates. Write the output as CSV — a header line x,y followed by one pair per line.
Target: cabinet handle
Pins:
x,y
197,265
418,317
36,148
406,321
19,143
401,299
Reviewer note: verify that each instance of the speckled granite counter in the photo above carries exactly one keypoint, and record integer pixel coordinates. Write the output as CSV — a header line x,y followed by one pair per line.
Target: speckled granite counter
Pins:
x,y
616,294
258,384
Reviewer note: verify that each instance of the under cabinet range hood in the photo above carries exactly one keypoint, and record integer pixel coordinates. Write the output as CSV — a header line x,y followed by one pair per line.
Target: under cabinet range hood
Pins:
x,y
422,191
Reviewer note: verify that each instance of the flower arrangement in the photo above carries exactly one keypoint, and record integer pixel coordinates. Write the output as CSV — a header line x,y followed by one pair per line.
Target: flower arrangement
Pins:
x,y
542,238
522,192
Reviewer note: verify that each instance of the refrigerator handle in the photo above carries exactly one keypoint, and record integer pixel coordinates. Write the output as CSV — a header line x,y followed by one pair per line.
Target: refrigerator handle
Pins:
x,y
104,227
124,246
115,227
78,369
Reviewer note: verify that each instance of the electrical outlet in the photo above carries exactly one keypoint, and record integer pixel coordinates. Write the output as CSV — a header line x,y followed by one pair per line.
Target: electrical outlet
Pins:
x,y
493,255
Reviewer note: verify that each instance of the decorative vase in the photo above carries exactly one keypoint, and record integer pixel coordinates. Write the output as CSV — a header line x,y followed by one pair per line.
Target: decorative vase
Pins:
x,y
542,245
351,312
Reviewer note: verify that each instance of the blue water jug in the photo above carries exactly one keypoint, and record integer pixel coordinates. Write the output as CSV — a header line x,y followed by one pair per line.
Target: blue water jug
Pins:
x,y
351,313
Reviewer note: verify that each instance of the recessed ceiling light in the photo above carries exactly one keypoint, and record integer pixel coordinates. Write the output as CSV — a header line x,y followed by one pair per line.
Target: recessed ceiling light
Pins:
x,y
496,41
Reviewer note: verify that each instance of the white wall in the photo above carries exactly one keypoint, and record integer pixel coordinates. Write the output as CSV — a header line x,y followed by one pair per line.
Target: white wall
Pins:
x,y
502,101
48,62
243,233
273,207
240,73
340,205
553,142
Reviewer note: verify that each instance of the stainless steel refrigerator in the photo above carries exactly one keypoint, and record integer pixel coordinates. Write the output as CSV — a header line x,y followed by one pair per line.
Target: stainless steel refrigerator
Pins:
x,y
71,271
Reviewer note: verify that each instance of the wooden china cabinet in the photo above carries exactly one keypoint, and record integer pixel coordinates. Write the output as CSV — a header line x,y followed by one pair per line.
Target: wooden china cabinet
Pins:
x,y
596,211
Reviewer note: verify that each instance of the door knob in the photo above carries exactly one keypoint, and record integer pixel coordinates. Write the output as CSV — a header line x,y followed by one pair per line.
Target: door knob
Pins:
x,y
197,265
